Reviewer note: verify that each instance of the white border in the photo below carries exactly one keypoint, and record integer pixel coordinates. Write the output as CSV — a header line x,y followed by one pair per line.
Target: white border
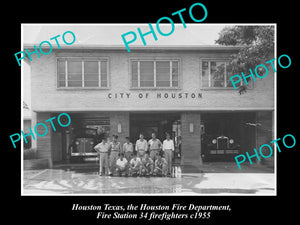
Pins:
x,y
275,106
22,112
171,194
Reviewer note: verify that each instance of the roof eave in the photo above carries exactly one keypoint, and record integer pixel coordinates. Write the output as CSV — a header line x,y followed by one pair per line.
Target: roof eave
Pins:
x,y
152,47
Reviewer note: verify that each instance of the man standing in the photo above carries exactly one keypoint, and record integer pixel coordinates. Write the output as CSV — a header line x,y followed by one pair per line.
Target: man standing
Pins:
x,y
121,165
154,145
168,148
114,154
103,149
141,146
128,149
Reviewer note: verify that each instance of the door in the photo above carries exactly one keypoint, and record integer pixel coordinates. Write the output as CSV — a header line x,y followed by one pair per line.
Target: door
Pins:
x,y
56,146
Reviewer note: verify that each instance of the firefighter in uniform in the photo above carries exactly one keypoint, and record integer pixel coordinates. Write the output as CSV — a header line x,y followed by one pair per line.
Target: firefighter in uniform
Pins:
x,y
134,166
154,146
128,149
147,166
114,153
103,149
122,165
160,166
141,146
168,149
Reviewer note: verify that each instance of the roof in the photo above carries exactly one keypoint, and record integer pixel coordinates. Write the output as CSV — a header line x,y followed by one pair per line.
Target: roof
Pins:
x,y
108,36
147,47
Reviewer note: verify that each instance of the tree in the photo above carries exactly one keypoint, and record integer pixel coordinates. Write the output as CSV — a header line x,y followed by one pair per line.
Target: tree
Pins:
x,y
25,106
256,42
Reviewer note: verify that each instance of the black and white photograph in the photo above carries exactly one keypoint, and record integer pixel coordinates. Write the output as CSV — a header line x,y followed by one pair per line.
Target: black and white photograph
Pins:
x,y
150,112
148,109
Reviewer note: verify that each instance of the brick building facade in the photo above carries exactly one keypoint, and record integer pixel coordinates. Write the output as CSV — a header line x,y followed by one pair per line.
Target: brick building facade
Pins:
x,y
183,90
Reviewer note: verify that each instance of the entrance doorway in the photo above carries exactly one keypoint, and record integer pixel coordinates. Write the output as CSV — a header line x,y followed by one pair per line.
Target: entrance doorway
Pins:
x,y
226,135
75,143
159,123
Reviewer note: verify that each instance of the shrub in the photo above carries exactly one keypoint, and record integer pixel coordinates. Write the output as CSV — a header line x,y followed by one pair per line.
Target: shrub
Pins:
x,y
30,153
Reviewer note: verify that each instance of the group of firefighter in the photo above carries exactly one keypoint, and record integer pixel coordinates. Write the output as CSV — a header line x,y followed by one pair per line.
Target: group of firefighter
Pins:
x,y
148,158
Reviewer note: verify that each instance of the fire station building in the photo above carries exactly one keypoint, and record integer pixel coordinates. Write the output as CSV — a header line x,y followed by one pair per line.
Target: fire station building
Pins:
x,y
183,90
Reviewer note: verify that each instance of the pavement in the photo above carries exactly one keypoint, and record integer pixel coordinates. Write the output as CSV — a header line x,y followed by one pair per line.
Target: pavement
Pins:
x,y
216,179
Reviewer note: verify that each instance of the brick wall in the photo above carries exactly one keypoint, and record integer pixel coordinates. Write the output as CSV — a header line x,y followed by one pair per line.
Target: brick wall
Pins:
x,y
119,118
264,135
46,97
191,142
43,85
43,144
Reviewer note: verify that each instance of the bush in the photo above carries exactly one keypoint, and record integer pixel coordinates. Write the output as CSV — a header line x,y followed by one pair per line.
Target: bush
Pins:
x,y
30,153
28,144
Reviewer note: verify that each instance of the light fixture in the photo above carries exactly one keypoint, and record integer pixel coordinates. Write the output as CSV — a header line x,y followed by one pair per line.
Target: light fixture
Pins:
x,y
119,128
191,127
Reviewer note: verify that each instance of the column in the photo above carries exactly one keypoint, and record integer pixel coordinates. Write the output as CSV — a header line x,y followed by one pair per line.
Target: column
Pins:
x,y
191,142
265,134
119,125
43,144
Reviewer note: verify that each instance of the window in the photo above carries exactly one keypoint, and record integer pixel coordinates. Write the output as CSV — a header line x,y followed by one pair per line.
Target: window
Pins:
x,y
155,73
216,74
82,73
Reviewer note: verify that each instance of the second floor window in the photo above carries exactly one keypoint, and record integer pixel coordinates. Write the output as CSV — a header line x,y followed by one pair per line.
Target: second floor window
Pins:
x,y
216,74
82,73
155,73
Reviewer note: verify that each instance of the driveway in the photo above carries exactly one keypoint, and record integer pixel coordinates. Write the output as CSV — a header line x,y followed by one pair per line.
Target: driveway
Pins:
x,y
87,182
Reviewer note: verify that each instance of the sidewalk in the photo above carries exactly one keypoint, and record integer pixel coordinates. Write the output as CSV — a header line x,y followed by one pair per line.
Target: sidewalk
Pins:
x,y
213,167
231,167
217,179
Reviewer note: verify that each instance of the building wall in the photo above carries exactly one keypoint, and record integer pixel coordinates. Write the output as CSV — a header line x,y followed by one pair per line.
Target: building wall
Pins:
x,y
26,89
46,97
122,119
44,144
264,135
191,142
26,125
